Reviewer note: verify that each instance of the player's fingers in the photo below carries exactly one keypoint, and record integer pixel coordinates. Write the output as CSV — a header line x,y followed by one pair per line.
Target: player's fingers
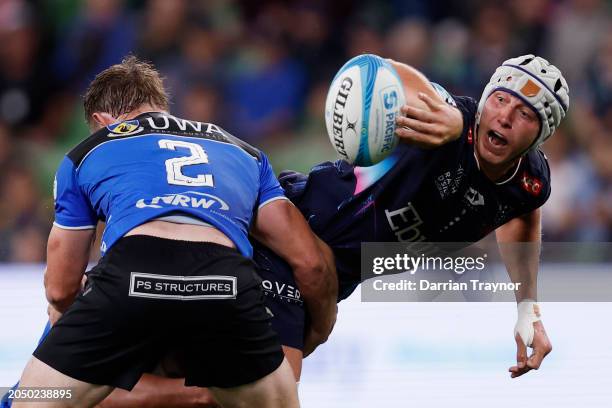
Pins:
x,y
521,366
535,360
541,346
539,352
519,371
516,371
416,113
521,351
433,105
417,125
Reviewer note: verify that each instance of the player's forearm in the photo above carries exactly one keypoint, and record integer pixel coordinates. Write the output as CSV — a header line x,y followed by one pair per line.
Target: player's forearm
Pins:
x,y
62,284
418,83
158,392
61,288
318,285
321,304
67,257
519,243
60,299
521,262
283,229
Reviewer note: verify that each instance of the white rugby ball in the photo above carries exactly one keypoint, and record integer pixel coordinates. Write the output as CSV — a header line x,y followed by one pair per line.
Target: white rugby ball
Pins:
x,y
360,110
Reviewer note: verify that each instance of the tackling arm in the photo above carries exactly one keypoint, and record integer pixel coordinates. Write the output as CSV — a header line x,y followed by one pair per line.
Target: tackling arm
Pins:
x,y
281,227
67,258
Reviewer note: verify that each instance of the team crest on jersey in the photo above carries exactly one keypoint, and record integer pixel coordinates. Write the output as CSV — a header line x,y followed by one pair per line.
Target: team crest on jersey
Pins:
x,y
125,128
531,184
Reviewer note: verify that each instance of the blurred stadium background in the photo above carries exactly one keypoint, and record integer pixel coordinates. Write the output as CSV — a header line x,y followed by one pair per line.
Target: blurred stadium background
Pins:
x,y
261,70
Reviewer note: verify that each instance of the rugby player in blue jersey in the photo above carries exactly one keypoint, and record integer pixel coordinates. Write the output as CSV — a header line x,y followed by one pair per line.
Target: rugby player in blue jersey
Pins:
x,y
466,169
179,199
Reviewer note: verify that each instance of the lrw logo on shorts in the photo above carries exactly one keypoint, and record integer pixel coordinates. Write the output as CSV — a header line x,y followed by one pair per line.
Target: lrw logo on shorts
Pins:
x,y
287,292
182,287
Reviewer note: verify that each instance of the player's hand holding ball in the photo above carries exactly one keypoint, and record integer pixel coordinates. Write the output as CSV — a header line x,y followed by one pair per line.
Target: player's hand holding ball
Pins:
x,y
433,126
426,120
373,102
360,110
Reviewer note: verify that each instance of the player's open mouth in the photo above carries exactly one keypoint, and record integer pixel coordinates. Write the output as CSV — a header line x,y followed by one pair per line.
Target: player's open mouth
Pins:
x,y
496,139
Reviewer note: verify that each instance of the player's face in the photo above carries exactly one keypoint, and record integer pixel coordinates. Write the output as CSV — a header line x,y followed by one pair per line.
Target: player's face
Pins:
x,y
507,128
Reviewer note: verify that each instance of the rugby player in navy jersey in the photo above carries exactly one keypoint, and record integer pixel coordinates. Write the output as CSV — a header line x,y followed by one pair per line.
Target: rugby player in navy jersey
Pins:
x,y
465,169
179,199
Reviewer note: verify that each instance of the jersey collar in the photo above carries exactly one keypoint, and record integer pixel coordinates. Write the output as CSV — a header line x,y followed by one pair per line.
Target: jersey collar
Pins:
x,y
504,181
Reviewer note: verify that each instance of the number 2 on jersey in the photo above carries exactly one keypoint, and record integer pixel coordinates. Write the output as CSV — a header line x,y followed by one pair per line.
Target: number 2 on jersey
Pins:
x,y
174,166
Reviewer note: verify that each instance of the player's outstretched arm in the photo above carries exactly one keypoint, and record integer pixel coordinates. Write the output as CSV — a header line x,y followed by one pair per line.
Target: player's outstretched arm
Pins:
x,y
281,227
427,121
519,243
67,258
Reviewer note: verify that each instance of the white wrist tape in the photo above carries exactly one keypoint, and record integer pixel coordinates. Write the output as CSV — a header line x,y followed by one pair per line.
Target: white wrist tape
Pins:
x,y
528,313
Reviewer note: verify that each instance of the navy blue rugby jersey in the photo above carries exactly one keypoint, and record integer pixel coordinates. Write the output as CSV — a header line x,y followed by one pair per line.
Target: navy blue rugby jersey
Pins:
x,y
415,195
157,164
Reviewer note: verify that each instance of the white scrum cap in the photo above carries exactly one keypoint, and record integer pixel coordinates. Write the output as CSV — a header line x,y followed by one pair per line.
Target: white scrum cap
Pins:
x,y
539,84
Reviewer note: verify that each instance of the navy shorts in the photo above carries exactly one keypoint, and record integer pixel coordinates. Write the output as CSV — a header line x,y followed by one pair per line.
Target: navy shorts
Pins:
x,y
283,298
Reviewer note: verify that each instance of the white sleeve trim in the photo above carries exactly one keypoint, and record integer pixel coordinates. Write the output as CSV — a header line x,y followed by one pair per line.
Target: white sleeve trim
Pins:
x,y
83,227
272,199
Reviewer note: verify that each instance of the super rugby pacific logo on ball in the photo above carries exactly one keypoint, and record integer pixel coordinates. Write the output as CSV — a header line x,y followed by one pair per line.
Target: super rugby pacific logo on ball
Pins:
x,y
362,103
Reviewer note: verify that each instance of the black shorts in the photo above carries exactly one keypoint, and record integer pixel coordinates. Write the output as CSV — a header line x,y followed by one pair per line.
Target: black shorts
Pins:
x,y
150,296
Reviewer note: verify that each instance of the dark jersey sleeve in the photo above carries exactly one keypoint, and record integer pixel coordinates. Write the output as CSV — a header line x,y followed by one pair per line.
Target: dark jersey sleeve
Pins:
x,y
468,106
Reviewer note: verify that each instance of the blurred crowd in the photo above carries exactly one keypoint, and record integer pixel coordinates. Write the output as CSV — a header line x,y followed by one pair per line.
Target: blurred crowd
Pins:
x,y
261,70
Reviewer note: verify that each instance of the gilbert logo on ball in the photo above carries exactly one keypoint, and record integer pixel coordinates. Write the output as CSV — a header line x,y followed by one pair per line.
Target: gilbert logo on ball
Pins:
x,y
362,103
